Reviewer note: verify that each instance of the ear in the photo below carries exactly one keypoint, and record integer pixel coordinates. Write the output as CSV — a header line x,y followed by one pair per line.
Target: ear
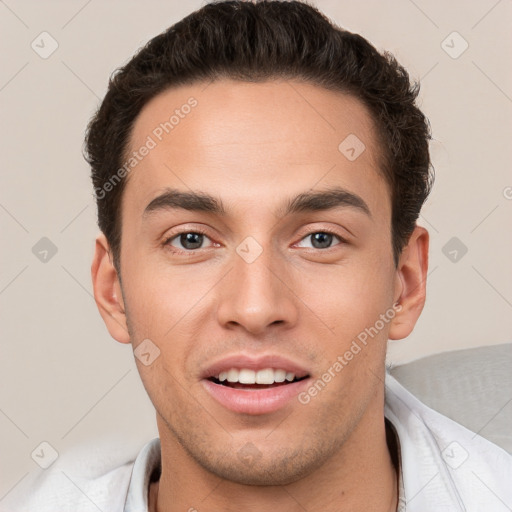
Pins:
x,y
107,291
410,284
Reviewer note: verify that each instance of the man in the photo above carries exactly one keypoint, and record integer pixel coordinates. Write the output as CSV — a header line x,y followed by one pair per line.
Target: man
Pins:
x,y
258,174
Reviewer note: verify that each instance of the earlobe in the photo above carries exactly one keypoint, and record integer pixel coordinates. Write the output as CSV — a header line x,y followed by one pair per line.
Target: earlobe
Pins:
x,y
410,284
107,291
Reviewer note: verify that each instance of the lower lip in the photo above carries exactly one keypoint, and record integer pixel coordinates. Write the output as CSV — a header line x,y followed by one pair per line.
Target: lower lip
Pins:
x,y
254,401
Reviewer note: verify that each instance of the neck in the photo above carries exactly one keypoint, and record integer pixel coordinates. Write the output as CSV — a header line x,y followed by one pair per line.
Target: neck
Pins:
x,y
359,477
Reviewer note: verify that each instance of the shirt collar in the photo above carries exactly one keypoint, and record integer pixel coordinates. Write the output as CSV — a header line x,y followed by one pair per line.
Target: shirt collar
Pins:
x,y
405,431
425,478
146,469
148,466
396,456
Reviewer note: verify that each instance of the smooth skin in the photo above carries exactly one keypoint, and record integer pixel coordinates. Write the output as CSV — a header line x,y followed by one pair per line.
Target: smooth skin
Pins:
x,y
254,146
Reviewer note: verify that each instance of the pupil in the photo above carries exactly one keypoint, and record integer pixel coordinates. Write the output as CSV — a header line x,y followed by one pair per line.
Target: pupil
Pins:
x,y
191,240
323,239
194,240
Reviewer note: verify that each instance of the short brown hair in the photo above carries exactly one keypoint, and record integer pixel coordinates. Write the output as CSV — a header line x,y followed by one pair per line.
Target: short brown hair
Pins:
x,y
260,41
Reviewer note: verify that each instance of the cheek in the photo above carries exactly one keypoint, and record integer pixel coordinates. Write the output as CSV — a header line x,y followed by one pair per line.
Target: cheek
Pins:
x,y
349,298
160,296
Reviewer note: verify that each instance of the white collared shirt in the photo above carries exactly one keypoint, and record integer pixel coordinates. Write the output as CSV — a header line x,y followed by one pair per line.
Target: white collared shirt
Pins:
x,y
443,467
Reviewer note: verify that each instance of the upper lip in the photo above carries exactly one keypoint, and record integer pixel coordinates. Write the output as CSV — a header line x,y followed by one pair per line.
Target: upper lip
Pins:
x,y
255,363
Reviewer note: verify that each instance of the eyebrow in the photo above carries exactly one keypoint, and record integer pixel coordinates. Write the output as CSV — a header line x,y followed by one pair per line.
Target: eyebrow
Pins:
x,y
305,202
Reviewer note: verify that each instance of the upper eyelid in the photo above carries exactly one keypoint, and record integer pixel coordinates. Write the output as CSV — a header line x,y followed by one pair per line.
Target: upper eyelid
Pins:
x,y
341,238
169,238
306,230
310,232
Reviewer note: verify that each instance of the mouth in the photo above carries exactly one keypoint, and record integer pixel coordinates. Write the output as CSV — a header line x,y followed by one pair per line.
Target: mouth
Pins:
x,y
255,386
248,379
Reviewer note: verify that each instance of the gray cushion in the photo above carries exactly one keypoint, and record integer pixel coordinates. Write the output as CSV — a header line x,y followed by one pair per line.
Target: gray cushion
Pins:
x,y
472,387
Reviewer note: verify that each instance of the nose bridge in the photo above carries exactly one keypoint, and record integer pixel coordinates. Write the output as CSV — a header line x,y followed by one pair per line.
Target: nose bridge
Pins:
x,y
255,296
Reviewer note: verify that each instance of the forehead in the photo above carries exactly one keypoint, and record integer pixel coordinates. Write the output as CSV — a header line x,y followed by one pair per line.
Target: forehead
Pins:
x,y
252,142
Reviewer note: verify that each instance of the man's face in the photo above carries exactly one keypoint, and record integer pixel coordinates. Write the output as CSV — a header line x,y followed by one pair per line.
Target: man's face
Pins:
x,y
258,286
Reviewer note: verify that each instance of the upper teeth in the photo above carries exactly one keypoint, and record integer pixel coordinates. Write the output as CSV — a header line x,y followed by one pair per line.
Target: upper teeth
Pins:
x,y
246,376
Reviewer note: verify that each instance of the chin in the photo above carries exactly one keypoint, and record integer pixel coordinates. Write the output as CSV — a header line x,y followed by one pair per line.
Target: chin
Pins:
x,y
251,467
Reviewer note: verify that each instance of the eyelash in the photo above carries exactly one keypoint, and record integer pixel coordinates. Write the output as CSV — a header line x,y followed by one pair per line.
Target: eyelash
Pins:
x,y
200,231
167,241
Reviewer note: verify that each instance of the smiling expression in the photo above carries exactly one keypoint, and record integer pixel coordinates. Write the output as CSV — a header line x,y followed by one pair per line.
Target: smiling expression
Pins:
x,y
254,250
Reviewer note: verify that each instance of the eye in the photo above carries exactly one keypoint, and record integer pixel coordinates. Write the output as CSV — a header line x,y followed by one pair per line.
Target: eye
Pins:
x,y
187,240
321,239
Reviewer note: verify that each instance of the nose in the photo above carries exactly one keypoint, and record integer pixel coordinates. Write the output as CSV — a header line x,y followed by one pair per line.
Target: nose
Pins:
x,y
257,295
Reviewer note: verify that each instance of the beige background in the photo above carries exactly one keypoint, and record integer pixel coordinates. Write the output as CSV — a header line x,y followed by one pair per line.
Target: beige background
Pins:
x,y
64,380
